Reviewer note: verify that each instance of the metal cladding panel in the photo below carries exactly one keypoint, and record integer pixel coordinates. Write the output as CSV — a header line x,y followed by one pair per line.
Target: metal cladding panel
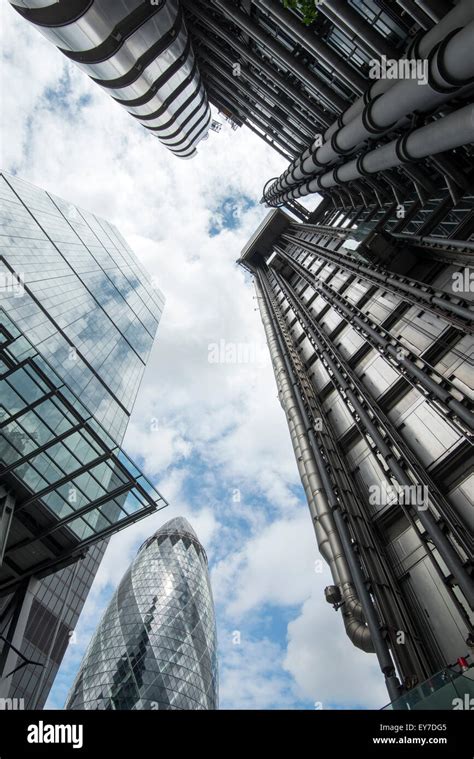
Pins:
x,y
377,373
421,585
427,431
140,54
155,647
461,497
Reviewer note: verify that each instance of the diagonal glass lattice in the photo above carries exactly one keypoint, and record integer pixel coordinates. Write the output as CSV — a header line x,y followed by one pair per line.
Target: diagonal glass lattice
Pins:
x,y
155,647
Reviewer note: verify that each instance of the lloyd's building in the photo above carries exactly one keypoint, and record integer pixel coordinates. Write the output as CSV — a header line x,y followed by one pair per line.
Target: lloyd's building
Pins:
x,y
367,305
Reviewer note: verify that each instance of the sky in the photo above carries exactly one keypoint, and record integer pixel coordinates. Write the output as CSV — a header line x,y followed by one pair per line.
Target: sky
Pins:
x,y
210,435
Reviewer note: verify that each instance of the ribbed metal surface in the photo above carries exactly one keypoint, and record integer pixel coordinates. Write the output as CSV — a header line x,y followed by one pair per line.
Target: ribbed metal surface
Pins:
x,y
140,54
376,440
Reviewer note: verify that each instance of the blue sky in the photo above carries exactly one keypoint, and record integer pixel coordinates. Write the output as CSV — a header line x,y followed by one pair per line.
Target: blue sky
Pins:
x,y
221,430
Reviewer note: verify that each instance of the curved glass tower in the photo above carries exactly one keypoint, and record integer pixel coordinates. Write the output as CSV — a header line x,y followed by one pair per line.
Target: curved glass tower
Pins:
x,y
155,647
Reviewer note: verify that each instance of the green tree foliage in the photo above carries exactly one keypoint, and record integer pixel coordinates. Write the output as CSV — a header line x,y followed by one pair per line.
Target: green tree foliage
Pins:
x,y
306,7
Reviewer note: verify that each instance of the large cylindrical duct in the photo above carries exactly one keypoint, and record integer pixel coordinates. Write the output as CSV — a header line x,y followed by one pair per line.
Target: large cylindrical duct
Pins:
x,y
326,533
140,54
407,96
446,133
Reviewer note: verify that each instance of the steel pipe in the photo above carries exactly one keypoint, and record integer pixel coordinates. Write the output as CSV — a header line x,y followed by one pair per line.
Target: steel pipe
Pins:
x,y
446,550
311,42
325,529
417,293
248,54
443,242
380,423
373,624
251,78
314,85
380,339
259,108
460,16
452,131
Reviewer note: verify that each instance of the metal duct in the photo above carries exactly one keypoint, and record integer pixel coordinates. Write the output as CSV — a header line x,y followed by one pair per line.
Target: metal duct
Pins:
x,y
446,133
314,158
316,87
327,536
140,53
311,42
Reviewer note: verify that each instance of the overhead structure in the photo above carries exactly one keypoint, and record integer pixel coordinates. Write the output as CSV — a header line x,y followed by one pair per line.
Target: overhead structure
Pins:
x,y
140,54
409,133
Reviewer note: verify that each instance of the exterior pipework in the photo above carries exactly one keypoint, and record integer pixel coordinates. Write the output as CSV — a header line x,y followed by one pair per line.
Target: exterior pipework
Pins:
x,y
381,339
337,371
319,49
417,13
251,79
326,533
410,290
446,133
435,9
380,427
315,86
296,95
339,11
314,158
373,625
259,108
449,555
216,69
140,54
437,242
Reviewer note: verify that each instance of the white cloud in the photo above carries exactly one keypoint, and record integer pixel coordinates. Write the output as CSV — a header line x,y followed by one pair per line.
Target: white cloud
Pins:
x,y
325,665
280,567
275,566
252,676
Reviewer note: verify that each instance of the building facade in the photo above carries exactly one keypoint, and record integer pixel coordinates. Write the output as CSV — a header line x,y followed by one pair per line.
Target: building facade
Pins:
x,y
366,308
155,647
140,54
78,316
259,63
371,352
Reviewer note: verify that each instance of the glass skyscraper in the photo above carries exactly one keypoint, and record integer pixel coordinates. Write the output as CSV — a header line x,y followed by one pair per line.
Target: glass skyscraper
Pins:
x,y
78,316
155,647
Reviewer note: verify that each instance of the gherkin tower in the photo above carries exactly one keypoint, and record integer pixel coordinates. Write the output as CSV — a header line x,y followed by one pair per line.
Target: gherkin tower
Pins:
x,y
155,647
